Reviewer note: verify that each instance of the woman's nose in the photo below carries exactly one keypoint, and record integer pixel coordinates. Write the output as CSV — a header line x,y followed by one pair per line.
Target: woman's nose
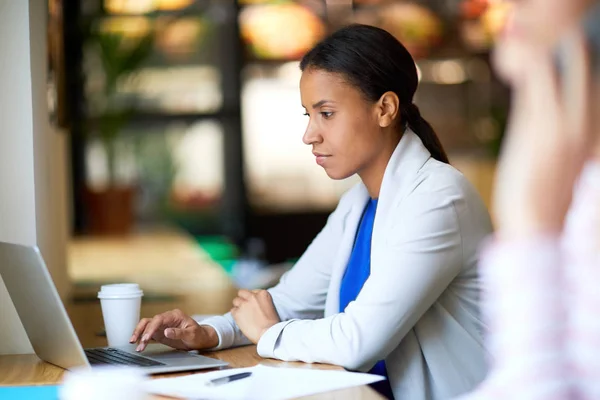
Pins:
x,y
311,135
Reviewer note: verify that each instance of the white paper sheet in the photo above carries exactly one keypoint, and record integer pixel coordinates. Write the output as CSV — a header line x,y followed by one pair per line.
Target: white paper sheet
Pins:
x,y
266,383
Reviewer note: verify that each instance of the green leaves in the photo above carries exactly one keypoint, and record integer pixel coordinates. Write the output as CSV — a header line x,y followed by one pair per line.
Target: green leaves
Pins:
x,y
121,56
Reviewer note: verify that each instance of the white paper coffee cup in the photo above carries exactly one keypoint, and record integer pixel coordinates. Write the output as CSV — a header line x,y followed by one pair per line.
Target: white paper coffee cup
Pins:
x,y
120,310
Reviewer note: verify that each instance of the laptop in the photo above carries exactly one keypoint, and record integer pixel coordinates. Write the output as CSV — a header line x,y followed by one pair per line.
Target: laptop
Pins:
x,y
51,333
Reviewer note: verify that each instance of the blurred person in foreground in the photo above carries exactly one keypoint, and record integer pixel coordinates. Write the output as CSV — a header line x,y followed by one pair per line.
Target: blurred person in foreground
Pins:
x,y
542,269
390,285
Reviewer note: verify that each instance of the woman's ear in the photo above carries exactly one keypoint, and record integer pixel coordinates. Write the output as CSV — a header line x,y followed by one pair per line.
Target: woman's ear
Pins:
x,y
388,108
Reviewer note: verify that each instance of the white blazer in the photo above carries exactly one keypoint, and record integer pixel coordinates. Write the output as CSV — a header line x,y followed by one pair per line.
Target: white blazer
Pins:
x,y
419,308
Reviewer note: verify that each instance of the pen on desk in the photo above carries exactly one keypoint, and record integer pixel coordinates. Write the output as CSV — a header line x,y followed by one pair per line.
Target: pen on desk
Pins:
x,y
227,379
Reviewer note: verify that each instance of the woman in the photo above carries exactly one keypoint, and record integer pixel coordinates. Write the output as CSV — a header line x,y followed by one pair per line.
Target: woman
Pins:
x,y
542,270
390,284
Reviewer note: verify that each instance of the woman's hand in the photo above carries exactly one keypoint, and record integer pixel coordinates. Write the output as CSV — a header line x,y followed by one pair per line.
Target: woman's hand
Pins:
x,y
551,134
254,313
174,329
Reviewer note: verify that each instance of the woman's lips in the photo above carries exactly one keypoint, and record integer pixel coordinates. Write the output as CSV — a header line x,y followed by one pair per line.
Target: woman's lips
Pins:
x,y
321,158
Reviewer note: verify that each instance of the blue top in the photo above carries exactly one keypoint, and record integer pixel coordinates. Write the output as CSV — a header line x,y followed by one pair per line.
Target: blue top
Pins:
x,y
357,272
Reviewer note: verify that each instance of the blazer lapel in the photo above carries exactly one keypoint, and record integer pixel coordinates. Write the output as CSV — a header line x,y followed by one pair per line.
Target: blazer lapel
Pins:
x,y
398,180
399,177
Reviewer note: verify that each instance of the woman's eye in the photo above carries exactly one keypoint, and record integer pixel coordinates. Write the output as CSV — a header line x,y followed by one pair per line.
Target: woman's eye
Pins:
x,y
326,114
306,114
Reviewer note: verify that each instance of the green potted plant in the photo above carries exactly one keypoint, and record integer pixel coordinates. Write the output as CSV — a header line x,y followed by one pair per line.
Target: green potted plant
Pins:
x,y
110,209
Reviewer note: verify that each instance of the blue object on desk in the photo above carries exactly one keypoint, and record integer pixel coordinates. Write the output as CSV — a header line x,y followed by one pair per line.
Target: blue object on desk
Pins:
x,y
49,392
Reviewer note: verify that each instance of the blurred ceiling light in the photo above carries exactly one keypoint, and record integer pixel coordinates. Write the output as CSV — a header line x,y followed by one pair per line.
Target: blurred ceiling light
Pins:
x,y
143,6
180,37
280,31
472,9
129,27
448,72
495,17
129,6
483,21
415,26
173,4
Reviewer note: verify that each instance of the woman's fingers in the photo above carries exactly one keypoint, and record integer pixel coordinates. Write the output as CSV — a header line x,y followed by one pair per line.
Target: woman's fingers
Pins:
x,y
159,322
245,294
141,326
238,301
155,324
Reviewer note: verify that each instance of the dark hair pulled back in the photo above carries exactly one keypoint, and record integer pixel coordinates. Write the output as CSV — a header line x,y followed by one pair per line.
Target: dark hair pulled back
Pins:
x,y
375,62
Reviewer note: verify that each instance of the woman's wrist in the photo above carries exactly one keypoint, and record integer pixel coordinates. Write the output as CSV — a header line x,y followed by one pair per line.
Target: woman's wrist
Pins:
x,y
211,336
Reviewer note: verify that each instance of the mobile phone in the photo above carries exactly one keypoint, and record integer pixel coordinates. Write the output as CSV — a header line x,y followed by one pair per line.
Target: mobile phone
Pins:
x,y
590,23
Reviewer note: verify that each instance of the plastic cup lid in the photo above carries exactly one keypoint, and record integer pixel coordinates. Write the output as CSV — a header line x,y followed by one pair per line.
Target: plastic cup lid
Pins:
x,y
120,290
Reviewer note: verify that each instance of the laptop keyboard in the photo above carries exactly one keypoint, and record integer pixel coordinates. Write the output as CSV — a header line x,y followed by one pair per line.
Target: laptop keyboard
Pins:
x,y
118,357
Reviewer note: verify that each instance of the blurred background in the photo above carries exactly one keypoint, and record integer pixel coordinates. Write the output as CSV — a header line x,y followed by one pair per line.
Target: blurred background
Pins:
x,y
187,112
183,127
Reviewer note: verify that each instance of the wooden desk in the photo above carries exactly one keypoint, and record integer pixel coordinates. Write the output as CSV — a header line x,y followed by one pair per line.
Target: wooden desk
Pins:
x,y
166,263
30,370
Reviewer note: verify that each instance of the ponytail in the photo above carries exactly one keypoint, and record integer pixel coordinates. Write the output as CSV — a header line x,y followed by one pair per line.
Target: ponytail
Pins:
x,y
413,119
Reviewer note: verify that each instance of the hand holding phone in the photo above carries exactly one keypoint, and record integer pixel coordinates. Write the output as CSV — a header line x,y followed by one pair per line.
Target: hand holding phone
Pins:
x,y
553,127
